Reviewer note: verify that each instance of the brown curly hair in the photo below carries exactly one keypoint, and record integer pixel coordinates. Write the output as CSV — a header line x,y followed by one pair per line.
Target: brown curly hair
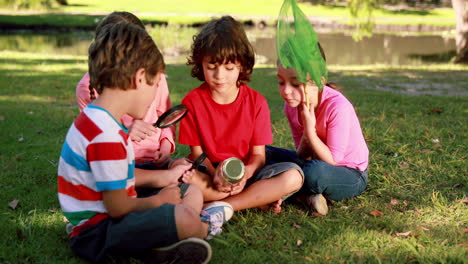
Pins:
x,y
118,52
225,41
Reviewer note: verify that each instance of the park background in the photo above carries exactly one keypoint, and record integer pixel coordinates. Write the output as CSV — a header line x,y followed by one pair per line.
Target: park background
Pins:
x,y
411,104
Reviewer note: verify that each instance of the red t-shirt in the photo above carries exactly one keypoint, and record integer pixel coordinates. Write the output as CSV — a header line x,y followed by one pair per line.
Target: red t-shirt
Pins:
x,y
226,130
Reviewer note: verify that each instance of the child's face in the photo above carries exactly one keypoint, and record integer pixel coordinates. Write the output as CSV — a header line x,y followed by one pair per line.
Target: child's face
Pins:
x,y
290,88
220,76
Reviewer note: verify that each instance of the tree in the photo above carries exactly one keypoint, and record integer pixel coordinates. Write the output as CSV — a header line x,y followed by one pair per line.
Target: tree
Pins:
x,y
361,13
461,14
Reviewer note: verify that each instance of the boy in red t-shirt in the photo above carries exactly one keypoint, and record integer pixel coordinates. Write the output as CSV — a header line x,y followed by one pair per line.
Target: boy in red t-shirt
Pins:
x,y
227,119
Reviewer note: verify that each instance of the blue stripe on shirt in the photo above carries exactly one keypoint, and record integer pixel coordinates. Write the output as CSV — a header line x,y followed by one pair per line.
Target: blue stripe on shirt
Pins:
x,y
131,171
73,159
111,185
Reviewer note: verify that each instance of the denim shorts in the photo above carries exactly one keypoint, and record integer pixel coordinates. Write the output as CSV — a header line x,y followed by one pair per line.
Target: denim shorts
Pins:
x,y
130,236
272,170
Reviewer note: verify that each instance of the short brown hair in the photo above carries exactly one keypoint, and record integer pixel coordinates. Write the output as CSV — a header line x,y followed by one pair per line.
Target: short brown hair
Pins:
x,y
118,52
116,17
224,40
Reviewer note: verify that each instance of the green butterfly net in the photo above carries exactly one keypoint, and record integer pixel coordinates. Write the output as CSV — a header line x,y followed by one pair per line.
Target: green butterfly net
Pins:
x,y
297,45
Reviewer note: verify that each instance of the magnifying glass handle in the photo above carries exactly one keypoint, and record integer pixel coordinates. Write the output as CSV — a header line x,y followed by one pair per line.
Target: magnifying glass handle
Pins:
x,y
196,163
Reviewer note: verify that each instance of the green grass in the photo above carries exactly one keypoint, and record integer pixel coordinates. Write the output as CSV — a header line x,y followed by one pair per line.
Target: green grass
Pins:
x,y
83,12
418,172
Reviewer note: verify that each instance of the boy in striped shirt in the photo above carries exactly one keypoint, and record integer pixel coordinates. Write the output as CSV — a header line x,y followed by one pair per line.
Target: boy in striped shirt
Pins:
x,y
96,181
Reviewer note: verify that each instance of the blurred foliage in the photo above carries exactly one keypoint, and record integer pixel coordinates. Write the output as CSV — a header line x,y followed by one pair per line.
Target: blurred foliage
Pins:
x,y
409,3
32,4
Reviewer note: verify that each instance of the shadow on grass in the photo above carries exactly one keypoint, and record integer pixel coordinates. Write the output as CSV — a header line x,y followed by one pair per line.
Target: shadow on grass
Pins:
x,y
31,62
444,57
57,21
406,164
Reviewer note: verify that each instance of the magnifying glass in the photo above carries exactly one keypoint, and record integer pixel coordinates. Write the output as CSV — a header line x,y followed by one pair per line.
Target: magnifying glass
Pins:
x,y
197,163
171,116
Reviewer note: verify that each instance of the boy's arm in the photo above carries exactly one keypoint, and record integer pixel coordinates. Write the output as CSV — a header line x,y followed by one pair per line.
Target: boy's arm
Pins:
x,y
160,178
256,162
118,204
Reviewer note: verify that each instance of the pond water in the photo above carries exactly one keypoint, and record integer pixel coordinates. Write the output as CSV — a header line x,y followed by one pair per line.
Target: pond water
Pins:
x,y
340,47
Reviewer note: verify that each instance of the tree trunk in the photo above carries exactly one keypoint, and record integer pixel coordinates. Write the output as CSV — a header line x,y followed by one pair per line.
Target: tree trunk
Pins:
x,y
461,14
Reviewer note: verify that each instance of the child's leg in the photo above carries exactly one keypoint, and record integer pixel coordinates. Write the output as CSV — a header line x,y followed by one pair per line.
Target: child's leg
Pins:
x,y
276,155
188,223
334,182
269,189
192,196
205,183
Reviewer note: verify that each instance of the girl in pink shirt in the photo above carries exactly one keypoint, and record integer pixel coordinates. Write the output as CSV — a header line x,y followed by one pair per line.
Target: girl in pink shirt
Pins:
x,y
152,146
330,146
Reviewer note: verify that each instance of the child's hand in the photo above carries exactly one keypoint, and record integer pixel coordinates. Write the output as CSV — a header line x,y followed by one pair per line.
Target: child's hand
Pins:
x,y
139,130
163,155
307,115
170,194
161,159
219,183
188,176
238,187
179,170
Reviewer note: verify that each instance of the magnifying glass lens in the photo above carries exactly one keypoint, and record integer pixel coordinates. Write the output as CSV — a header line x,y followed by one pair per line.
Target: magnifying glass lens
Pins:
x,y
171,116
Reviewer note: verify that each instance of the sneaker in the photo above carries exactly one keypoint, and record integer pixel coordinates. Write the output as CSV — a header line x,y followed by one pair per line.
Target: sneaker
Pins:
x,y
216,214
319,203
69,228
191,250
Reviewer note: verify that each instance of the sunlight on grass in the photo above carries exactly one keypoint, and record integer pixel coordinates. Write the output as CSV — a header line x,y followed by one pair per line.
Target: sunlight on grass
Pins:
x,y
417,171
25,98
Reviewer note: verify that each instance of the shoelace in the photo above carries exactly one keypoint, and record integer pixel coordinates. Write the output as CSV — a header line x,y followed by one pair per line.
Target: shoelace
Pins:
x,y
214,221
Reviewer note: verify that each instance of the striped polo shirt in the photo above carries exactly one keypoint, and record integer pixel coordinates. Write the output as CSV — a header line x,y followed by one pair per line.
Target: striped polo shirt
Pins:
x,y
96,156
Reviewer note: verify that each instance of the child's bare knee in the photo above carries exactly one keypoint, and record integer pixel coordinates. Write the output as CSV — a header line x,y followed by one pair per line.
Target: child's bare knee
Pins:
x,y
293,179
194,192
187,221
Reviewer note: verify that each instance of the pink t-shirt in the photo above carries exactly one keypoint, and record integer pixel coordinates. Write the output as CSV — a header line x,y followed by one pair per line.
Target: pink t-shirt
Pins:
x,y
337,126
226,130
145,149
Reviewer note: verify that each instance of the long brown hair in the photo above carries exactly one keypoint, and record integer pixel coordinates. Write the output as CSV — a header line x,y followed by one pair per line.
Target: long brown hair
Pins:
x,y
329,84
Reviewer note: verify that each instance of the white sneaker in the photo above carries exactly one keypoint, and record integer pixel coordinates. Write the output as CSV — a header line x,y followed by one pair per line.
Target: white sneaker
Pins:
x,y
191,250
216,214
318,203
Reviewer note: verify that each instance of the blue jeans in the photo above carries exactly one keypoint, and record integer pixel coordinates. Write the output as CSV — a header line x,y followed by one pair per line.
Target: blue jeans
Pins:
x,y
334,182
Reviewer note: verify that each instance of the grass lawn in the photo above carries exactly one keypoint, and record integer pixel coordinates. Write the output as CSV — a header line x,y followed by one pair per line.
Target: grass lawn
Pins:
x,y
418,170
83,12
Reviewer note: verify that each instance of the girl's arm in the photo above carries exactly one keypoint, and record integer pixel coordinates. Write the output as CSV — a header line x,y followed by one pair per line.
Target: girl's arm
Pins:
x,y
303,150
319,149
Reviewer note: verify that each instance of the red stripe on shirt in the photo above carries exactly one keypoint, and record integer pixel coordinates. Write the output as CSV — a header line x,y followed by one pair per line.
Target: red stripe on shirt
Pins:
x,y
87,127
78,191
105,151
131,191
124,136
92,221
